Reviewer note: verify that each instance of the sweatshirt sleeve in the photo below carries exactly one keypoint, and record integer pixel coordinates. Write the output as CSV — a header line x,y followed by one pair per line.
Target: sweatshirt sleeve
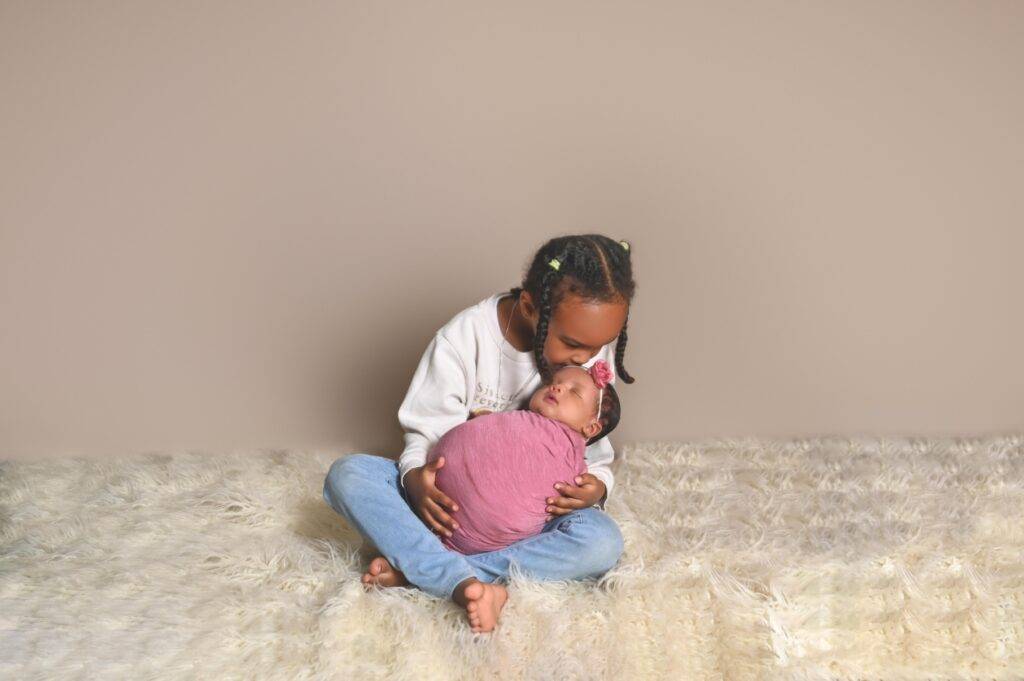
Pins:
x,y
435,403
599,457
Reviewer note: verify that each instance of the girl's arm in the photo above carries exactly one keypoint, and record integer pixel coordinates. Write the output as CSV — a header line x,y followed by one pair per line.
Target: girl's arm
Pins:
x,y
435,403
599,457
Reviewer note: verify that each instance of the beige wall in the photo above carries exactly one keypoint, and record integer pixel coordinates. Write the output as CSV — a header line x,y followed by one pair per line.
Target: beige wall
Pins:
x,y
237,224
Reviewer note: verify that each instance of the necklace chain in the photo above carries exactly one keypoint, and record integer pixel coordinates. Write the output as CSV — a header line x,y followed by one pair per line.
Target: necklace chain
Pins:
x,y
501,358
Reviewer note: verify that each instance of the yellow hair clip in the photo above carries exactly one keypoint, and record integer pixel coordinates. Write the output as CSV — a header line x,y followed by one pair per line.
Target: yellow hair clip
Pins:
x,y
555,264
624,244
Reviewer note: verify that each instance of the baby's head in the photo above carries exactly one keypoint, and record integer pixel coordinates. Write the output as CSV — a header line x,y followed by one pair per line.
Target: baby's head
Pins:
x,y
574,397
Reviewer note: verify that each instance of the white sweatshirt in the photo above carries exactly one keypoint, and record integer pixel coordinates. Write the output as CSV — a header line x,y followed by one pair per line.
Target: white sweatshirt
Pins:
x,y
458,373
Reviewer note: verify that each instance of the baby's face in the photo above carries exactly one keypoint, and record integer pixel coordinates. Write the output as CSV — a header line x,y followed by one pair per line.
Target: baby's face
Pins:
x,y
571,398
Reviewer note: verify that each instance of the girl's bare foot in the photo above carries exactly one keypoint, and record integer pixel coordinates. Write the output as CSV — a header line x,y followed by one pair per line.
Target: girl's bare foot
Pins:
x,y
381,573
483,603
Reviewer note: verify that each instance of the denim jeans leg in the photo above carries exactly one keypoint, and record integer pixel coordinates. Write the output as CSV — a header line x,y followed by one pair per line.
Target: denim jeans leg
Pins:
x,y
583,544
365,490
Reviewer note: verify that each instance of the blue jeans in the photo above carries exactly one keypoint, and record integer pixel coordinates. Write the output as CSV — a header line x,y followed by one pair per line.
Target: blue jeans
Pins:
x,y
365,490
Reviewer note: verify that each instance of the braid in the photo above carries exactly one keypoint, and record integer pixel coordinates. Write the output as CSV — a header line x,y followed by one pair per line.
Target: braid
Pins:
x,y
620,353
545,307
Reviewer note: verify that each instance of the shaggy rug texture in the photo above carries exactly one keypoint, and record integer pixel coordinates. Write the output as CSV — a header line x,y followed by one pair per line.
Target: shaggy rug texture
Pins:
x,y
830,558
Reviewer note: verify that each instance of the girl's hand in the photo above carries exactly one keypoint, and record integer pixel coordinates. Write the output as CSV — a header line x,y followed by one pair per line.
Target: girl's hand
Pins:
x,y
427,500
587,492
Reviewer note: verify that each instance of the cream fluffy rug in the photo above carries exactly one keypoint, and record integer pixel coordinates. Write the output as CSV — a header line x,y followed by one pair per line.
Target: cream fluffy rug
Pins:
x,y
745,559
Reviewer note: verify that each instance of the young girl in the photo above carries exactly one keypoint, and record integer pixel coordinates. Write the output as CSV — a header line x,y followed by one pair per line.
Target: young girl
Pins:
x,y
573,307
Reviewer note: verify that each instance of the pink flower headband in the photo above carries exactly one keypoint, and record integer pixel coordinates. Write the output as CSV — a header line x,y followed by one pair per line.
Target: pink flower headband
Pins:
x,y
602,375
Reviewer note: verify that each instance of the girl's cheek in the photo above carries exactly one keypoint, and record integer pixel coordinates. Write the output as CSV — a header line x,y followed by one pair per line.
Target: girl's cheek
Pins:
x,y
548,354
553,353
554,358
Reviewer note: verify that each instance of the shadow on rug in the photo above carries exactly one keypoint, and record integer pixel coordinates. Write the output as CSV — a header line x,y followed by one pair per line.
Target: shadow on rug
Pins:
x,y
827,558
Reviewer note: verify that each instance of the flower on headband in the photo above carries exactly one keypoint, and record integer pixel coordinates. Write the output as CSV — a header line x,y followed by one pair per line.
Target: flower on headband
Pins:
x,y
600,372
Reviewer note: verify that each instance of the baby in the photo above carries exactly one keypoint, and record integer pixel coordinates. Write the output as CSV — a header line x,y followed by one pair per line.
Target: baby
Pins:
x,y
499,468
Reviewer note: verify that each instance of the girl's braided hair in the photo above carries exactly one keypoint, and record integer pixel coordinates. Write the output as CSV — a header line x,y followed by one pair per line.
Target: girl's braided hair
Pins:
x,y
591,266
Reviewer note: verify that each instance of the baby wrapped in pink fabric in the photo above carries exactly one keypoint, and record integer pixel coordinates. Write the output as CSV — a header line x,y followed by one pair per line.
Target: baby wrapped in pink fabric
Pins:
x,y
501,467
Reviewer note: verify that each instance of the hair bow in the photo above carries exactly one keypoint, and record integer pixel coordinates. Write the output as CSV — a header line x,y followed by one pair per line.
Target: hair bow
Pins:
x,y
601,373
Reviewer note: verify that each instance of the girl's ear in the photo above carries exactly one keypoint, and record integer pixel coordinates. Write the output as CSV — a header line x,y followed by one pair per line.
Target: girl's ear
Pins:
x,y
592,428
527,306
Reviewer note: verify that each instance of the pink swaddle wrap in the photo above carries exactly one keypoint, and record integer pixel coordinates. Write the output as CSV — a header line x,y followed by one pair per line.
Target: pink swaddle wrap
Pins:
x,y
500,468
